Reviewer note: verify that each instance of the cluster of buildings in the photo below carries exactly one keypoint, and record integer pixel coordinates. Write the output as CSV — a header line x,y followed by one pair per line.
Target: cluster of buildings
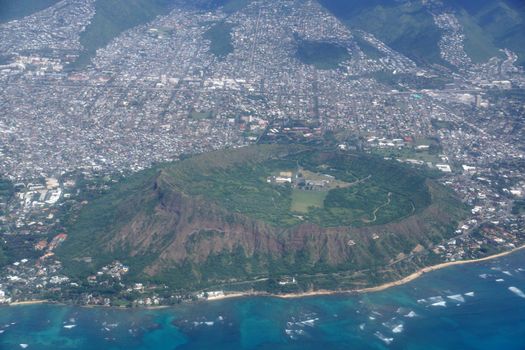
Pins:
x,y
115,270
57,37
24,280
451,43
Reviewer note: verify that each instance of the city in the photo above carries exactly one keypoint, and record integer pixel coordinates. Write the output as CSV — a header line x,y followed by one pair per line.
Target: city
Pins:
x,y
158,94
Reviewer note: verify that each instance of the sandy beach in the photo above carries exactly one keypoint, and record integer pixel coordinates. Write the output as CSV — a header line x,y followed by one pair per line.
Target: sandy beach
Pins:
x,y
234,295
28,302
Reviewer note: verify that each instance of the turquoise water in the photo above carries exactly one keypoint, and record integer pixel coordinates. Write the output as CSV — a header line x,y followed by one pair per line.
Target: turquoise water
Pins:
x,y
463,307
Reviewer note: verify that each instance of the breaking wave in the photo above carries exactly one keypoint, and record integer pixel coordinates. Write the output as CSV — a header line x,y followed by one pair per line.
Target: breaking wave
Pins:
x,y
517,291
457,297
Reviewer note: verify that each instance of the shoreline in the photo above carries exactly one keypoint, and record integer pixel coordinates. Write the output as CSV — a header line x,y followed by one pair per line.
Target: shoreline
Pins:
x,y
413,276
424,270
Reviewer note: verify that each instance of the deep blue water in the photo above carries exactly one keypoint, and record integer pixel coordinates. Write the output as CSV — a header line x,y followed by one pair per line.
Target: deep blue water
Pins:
x,y
463,307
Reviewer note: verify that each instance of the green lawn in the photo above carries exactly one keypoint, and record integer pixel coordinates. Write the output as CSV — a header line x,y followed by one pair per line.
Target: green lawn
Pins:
x,y
302,201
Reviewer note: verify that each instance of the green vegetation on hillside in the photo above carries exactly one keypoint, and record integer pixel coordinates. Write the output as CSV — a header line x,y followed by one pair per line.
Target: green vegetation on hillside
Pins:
x,y
322,55
491,25
405,26
240,188
10,10
478,45
101,219
113,17
220,39
408,27
368,49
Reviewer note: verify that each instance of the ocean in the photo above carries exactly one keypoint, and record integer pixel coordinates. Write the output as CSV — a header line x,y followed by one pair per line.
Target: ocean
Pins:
x,y
475,306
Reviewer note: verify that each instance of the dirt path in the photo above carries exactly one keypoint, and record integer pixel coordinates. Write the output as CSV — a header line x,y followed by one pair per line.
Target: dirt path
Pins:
x,y
357,182
374,214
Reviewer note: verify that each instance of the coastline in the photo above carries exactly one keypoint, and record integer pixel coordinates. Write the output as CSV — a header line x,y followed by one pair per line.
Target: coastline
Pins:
x,y
427,269
413,276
